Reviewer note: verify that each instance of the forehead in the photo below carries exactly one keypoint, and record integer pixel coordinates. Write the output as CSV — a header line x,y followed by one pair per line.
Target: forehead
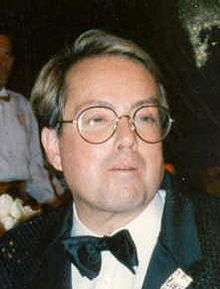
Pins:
x,y
5,43
113,79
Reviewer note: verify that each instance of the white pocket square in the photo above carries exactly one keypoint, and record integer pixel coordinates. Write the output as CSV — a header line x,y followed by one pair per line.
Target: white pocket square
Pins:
x,y
178,280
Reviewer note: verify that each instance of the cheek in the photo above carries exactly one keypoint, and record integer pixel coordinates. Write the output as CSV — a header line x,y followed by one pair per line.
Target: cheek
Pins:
x,y
157,153
80,160
153,156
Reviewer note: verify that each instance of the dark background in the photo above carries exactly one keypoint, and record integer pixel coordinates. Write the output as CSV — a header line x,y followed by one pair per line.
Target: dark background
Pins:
x,y
42,27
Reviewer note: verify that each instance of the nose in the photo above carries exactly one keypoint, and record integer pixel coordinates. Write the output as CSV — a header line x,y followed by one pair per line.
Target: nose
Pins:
x,y
125,133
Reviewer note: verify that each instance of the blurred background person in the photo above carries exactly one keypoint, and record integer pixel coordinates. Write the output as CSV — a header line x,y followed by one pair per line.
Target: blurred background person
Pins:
x,y
21,162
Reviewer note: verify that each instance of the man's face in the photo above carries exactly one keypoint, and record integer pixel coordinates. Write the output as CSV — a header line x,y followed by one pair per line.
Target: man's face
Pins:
x,y
124,173
6,59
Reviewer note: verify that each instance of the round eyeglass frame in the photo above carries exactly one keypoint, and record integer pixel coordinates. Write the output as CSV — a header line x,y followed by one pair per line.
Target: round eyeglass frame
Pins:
x,y
131,121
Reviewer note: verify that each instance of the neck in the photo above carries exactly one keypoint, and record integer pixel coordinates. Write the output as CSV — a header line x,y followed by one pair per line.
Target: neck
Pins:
x,y
105,223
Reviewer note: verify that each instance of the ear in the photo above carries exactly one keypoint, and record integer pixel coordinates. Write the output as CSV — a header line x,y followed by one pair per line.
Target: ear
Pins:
x,y
50,143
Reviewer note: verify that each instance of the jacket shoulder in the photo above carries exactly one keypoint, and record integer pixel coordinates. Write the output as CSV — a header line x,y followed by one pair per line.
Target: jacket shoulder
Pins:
x,y
207,214
22,249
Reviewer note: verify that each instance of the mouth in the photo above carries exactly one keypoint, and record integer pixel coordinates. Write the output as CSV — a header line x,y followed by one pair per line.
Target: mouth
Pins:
x,y
125,164
123,169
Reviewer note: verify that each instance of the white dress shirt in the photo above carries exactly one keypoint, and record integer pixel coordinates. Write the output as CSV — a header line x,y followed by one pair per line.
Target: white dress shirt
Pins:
x,y
114,275
20,153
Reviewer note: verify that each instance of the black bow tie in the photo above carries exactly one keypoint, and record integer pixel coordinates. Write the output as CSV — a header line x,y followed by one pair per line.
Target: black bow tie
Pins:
x,y
85,251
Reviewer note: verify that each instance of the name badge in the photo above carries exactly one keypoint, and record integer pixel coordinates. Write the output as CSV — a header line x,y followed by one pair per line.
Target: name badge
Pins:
x,y
178,280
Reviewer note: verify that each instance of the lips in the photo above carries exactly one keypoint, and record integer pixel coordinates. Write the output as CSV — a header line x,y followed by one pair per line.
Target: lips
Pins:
x,y
123,165
125,162
124,168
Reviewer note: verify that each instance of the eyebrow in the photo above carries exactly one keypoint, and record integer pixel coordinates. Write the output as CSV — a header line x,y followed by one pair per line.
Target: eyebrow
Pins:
x,y
91,102
152,100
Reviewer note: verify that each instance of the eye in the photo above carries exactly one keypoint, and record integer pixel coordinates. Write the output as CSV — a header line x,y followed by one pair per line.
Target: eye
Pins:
x,y
146,119
95,119
147,116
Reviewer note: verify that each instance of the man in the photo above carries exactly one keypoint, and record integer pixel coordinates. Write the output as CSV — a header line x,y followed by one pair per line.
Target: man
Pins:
x,y
104,115
21,162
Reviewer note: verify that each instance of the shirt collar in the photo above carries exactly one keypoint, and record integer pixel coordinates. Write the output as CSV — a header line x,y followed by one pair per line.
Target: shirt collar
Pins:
x,y
144,229
3,92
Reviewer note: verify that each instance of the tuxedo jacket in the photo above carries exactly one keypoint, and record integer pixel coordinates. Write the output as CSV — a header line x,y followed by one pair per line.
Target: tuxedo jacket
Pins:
x,y
32,255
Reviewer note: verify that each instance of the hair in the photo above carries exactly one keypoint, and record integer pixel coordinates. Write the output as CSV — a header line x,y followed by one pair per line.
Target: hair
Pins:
x,y
48,96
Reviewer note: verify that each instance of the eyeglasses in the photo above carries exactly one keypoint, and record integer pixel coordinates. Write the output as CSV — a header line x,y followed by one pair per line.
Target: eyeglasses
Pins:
x,y
97,124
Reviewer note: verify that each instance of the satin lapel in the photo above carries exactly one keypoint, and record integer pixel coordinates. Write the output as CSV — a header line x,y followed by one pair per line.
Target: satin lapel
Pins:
x,y
55,272
178,245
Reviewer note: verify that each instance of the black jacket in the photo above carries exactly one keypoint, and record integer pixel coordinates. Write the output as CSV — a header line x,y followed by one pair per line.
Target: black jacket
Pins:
x,y
32,255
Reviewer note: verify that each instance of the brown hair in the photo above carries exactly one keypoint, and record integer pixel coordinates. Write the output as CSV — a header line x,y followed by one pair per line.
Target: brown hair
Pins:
x,y
48,95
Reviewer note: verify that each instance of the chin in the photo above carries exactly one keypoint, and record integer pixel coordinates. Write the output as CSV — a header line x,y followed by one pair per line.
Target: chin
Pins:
x,y
124,208
124,201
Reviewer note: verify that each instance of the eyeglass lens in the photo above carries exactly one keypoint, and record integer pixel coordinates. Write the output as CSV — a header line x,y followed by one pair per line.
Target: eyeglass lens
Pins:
x,y
97,124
